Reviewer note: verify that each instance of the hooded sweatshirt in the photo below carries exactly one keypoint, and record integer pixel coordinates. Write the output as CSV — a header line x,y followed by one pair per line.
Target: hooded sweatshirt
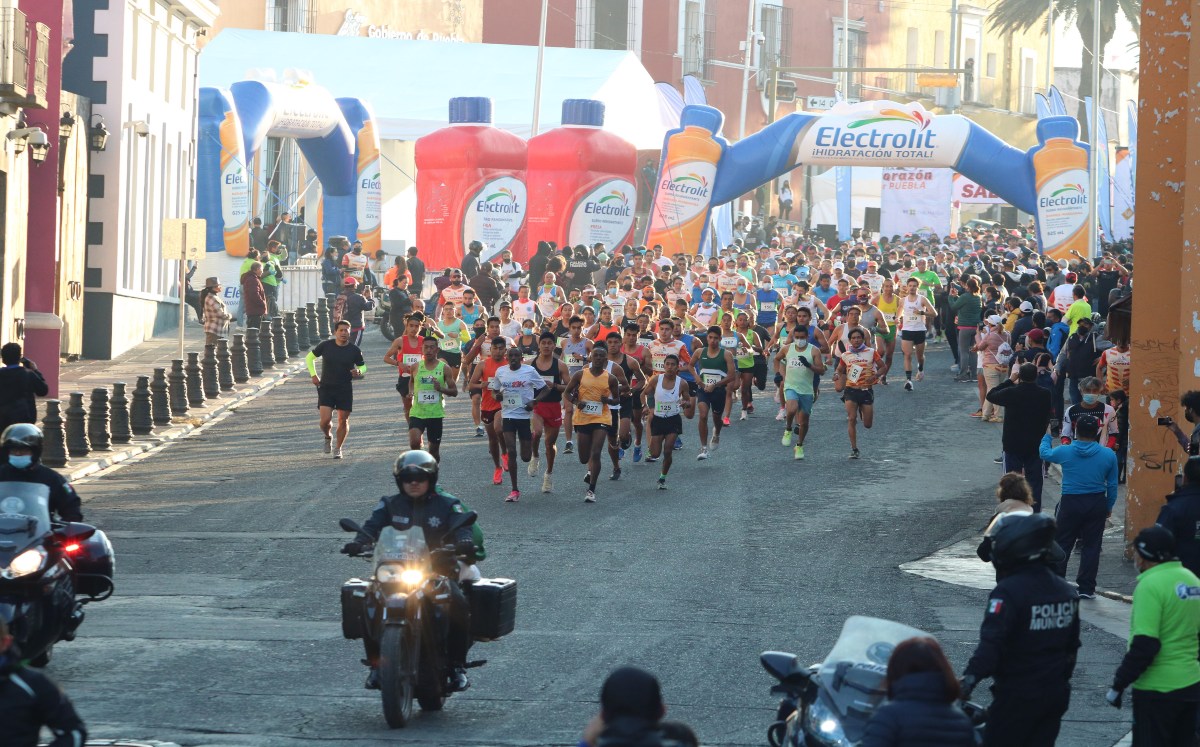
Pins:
x,y
1087,467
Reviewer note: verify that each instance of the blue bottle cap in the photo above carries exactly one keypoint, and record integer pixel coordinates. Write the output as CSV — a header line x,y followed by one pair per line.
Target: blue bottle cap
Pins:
x,y
702,116
471,110
1063,126
584,112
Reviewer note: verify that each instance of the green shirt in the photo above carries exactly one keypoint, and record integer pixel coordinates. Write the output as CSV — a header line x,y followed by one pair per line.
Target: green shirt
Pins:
x,y
1166,606
929,280
798,377
1078,310
428,403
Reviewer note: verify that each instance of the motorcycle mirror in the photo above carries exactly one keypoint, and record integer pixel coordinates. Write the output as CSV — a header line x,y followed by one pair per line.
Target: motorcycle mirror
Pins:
x,y
349,525
780,665
459,521
76,531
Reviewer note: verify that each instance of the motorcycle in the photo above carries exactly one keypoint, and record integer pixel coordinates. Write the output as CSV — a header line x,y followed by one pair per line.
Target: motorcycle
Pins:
x,y
829,704
383,314
48,571
403,608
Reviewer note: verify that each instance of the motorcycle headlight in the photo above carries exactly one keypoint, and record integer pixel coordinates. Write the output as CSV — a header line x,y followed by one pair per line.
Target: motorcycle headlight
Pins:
x,y
391,573
824,726
30,561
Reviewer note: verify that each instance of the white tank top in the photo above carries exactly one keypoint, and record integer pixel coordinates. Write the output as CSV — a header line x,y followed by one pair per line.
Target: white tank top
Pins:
x,y
913,319
666,402
523,310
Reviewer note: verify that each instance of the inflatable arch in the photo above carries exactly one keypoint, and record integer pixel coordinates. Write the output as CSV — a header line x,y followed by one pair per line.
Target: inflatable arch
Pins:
x,y
701,170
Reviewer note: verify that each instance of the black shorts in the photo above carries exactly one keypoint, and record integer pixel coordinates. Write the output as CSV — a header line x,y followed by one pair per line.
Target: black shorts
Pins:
x,y
338,399
519,426
627,408
453,360
488,416
714,399
404,385
431,427
692,386
593,427
916,337
860,396
616,419
666,426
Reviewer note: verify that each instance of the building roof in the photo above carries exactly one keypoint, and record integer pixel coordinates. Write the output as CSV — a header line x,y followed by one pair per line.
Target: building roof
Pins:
x,y
409,83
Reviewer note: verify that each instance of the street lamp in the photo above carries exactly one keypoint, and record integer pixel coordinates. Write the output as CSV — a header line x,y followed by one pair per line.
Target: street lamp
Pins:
x,y
65,125
98,135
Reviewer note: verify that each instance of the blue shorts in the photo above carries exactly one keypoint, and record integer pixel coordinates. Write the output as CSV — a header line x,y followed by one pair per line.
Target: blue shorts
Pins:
x,y
805,401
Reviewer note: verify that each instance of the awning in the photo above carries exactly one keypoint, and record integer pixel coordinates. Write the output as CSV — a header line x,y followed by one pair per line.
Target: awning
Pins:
x,y
409,83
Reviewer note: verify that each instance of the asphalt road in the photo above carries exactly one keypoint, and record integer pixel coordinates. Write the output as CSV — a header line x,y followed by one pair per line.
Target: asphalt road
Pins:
x,y
225,628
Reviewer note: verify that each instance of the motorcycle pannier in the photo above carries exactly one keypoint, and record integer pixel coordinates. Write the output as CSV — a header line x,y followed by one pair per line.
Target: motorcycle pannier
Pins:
x,y
493,608
354,604
94,565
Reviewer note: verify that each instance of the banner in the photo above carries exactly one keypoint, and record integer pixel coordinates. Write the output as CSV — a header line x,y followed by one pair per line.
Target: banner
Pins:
x,y
1122,219
968,192
1103,183
844,184
1057,107
882,134
915,201
1043,106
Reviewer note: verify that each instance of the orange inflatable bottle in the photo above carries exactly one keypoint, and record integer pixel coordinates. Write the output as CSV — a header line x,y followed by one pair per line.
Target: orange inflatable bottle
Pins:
x,y
679,217
1060,166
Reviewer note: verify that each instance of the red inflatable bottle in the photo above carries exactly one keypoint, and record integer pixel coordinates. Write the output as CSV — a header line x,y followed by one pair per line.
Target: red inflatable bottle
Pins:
x,y
470,186
582,187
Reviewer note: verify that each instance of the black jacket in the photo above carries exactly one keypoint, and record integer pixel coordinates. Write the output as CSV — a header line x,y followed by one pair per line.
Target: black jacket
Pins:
x,y
416,271
19,386
919,716
29,701
470,265
633,732
537,267
1030,633
431,514
64,501
1026,415
1181,515
1081,355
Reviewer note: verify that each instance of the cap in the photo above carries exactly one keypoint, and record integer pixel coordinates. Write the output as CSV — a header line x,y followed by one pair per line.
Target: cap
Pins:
x,y
1026,307
1036,335
589,287
1087,425
1071,277
585,112
350,282
708,290
470,110
211,282
1155,543
839,266
994,319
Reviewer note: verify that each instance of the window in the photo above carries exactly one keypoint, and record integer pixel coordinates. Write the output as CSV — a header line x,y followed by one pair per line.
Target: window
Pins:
x,y
990,69
698,37
290,15
939,48
913,59
775,24
1027,85
858,45
608,24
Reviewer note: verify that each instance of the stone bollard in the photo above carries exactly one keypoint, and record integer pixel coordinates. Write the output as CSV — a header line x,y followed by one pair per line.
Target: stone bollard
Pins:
x,y
314,335
54,441
301,329
76,430
97,421
224,365
141,422
209,383
237,359
193,383
279,344
160,397
323,318
177,390
253,359
266,346
290,330
119,415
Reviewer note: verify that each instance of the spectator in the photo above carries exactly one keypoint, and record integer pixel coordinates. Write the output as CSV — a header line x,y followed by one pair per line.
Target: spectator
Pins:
x,y
1077,360
216,316
1014,497
537,263
470,263
331,275
272,276
416,273
254,297
1161,663
258,235
1079,308
964,301
29,700
400,302
1190,402
1089,491
631,712
1027,409
397,269
309,246
1024,323
994,369
1181,515
355,299
921,708
487,290
21,383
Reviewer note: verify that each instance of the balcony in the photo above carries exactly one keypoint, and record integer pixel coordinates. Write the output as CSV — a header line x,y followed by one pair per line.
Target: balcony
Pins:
x,y
24,62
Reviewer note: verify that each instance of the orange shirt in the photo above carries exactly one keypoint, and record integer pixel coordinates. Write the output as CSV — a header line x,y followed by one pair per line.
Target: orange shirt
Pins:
x,y
490,365
860,367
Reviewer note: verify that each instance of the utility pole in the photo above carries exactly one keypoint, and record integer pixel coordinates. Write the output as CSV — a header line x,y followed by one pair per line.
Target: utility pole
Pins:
x,y
953,52
746,66
1050,46
846,48
1094,139
537,81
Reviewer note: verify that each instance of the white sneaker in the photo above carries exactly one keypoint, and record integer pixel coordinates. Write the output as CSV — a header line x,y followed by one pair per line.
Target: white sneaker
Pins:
x,y
532,469
743,416
589,497
329,444
713,444
954,369
920,375
547,484
781,415
337,454
702,455
908,387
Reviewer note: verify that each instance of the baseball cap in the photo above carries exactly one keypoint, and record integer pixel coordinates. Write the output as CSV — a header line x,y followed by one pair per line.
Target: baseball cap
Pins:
x,y
1036,335
350,282
1071,277
1087,425
1026,307
994,319
839,266
1155,543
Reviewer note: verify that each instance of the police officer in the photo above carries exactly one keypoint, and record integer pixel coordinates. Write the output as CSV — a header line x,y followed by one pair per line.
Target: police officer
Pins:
x,y
422,503
29,701
1029,636
20,461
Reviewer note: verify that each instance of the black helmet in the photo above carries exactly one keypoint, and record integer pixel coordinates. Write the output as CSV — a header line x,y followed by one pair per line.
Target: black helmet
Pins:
x,y
22,436
1023,539
415,462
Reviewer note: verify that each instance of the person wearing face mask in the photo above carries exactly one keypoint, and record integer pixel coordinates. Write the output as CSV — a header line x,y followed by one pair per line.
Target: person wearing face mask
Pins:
x,y
801,363
20,461
1190,402
703,314
1092,403
769,302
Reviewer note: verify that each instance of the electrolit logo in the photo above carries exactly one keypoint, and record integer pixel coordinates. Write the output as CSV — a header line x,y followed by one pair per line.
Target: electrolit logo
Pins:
x,y
371,182
920,119
689,184
501,201
603,213
1069,194
1062,210
684,193
494,213
614,203
887,135
235,177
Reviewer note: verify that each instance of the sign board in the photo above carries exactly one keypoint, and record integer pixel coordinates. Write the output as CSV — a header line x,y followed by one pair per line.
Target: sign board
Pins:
x,y
821,103
172,238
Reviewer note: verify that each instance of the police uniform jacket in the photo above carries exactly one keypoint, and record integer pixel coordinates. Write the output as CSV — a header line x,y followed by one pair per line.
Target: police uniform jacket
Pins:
x,y
64,501
432,514
29,701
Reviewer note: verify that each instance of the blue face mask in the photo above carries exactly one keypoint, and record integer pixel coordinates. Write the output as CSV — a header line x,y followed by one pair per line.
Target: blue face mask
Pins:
x,y
20,462
1091,399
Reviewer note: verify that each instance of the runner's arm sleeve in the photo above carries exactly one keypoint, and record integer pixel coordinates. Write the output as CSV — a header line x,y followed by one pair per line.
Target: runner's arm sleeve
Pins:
x,y
310,361
1139,657
360,364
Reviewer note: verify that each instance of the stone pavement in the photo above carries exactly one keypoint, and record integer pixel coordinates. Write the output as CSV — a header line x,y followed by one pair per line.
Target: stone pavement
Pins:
x,y
86,375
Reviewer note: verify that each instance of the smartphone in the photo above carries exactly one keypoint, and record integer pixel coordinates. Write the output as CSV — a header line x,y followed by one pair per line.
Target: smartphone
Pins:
x,y
1165,421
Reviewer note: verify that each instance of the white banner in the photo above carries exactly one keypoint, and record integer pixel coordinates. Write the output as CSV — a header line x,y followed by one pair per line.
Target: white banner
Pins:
x,y
915,201
967,192
1122,216
877,133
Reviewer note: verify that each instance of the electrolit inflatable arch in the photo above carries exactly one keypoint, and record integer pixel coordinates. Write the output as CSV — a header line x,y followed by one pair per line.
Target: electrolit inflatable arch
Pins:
x,y
701,170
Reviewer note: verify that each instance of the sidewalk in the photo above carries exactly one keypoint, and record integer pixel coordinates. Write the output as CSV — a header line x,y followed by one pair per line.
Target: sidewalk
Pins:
x,y
1117,576
86,375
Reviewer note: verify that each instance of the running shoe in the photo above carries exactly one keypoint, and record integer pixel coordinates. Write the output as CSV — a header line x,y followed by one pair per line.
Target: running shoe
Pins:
x,y
999,459
920,375
798,453
714,444
329,444
498,476
1087,595
883,380
954,369
787,438
547,484
651,460
504,461
532,469
750,407
779,416
908,387
620,453
337,454
479,431
662,482
589,496
702,455
977,414
570,448
678,443
725,421
743,416
854,454
637,454
616,474
513,497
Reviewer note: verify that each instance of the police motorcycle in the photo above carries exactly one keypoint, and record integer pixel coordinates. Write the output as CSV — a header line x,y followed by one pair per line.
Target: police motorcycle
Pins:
x,y
404,608
829,704
383,314
48,571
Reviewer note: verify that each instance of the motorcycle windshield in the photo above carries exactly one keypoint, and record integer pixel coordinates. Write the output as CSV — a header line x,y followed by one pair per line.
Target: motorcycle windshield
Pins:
x,y
24,516
855,670
401,546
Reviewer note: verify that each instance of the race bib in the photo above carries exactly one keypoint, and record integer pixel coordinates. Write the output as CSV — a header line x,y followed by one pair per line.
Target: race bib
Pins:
x,y
548,379
769,306
574,360
427,397
659,362
410,359
729,342
529,358
742,351
513,400
590,408
447,343
795,363
666,409
711,378
855,372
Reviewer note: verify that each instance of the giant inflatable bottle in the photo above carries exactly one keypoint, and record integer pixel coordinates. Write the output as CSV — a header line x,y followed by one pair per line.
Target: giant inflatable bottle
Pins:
x,y
581,182
1060,166
470,186
679,215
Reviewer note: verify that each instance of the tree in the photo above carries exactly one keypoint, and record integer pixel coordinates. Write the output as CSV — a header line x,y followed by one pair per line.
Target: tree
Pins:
x,y
1023,15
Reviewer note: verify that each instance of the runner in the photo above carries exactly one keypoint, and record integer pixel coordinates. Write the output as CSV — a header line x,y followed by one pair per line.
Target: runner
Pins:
x,y
632,348
666,395
704,314
341,363
913,320
527,342
592,390
731,340
885,342
875,321
749,345
489,407
549,296
451,333
802,364
548,413
631,370
517,385
452,294
404,353
432,382
523,307
576,350
477,348
716,370
857,369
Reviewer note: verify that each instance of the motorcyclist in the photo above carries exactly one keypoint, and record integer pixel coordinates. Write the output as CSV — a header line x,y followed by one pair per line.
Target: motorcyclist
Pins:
x,y
422,503
1029,637
20,461
29,701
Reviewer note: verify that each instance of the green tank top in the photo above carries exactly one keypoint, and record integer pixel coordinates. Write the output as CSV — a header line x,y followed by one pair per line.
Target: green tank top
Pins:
x,y
747,360
712,369
796,376
428,403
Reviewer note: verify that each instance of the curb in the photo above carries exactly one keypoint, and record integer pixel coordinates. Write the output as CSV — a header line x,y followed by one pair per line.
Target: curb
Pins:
x,y
1056,472
179,430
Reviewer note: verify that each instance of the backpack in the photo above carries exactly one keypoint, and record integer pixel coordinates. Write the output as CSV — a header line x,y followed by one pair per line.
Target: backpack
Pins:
x,y
1004,354
339,308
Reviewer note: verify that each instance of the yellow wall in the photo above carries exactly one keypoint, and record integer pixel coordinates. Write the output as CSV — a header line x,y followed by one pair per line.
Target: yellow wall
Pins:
x,y
462,19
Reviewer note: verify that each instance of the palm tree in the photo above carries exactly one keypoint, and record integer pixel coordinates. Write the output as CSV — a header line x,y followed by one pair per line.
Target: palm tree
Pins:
x,y
1023,15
